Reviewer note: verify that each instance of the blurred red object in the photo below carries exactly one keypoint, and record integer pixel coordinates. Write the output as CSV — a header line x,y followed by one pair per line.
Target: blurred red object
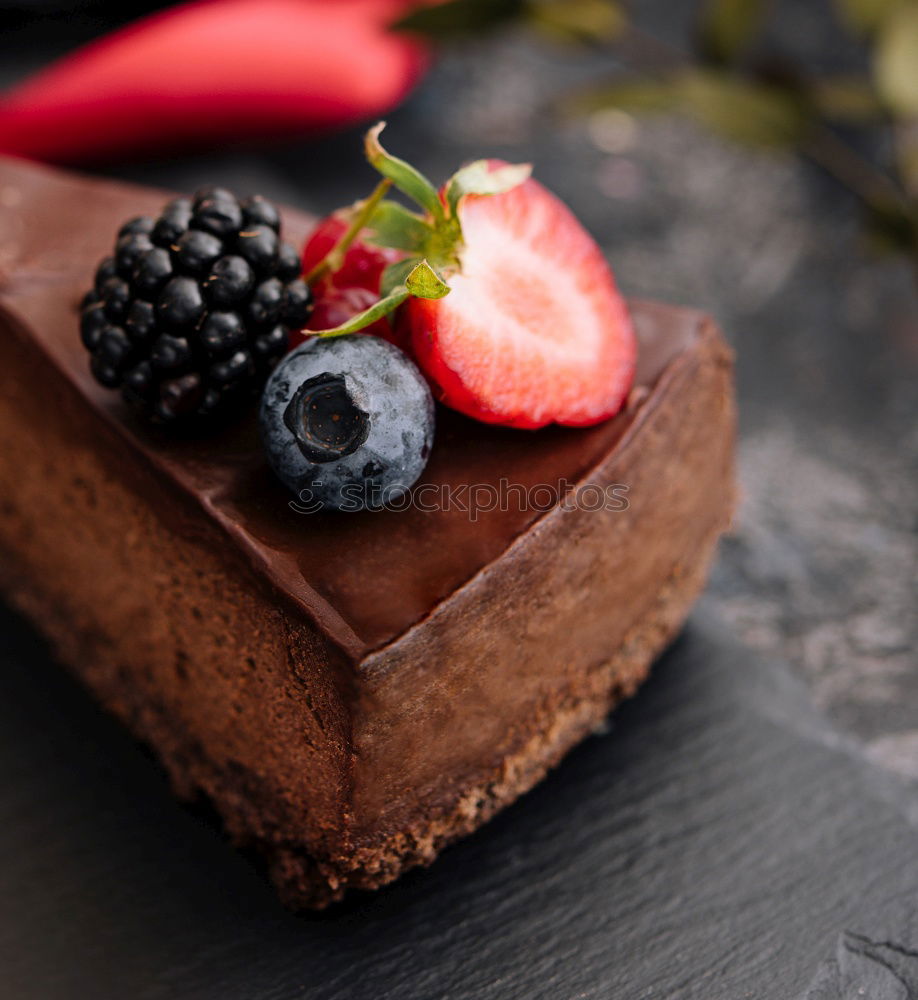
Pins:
x,y
213,72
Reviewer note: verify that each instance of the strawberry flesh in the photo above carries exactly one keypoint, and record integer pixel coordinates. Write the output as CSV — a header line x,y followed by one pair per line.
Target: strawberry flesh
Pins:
x,y
533,330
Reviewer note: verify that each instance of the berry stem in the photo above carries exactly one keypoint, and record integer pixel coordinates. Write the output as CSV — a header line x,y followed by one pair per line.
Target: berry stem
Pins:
x,y
422,281
408,179
333,260
376,311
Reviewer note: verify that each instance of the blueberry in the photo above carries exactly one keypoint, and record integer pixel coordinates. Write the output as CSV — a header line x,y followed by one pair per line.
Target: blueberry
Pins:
x,y
195,252
289,265
180,303
258,211
152,271
175,219
259,246
265,306
142,224
347,422
229,282
222,333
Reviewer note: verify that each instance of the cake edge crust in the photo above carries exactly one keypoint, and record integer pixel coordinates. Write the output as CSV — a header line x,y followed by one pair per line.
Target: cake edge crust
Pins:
x,y
559,729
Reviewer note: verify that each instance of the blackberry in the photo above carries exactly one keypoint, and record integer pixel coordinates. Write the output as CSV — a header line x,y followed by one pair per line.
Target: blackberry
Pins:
x,y
229,282
175,219
142,224
196,252
259,246
266,303
153,270
92,322
217,212
116,294
258,211
180,304
289,265
104,271
193,309
128,251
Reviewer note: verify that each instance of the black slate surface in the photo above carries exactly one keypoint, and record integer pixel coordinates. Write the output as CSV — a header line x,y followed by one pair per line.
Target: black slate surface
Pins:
x,y
749,825
714,843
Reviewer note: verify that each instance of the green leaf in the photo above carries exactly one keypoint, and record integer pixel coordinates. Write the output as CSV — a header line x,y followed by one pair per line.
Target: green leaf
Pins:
x,y
749,113
846,99
395,275
896,59
405,177
728,27
393,225
421,281
447,21
596,21
424,282
383,307
865,16
478,178
628,94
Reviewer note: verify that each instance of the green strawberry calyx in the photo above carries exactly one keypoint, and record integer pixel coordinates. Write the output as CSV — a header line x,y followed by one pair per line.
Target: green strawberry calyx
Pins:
x,y
431,239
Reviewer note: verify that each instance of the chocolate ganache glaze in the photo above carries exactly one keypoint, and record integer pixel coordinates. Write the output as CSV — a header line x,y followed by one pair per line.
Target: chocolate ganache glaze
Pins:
x,y
363,578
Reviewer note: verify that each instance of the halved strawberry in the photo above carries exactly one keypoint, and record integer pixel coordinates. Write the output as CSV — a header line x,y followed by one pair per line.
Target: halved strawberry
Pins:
x,y
533,330
511,308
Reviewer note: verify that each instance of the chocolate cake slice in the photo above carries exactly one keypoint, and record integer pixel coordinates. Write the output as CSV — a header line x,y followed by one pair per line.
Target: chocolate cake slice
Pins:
x,y
352,691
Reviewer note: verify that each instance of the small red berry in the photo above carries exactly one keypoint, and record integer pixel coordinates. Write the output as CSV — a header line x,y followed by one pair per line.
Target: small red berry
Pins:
x,y
335,306
363,263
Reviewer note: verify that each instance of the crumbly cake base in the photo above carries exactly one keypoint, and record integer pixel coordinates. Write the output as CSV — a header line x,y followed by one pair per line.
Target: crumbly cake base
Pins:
x,y
559,727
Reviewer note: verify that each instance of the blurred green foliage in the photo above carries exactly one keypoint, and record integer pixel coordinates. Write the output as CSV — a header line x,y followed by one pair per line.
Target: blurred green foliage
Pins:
x,y
724,79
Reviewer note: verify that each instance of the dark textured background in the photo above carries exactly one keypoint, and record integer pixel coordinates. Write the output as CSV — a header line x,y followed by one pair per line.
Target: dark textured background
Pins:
x,y
749,825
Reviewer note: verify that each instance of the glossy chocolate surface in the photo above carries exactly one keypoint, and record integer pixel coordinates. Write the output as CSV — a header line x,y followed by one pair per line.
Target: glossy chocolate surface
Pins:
x,y
365,578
